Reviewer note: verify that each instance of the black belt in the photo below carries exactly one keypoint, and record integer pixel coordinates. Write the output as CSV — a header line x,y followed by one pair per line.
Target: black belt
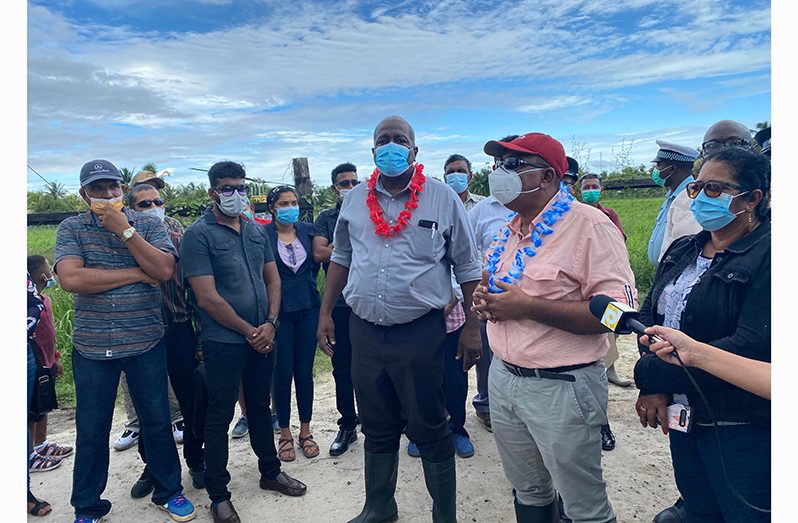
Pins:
x,y
554,373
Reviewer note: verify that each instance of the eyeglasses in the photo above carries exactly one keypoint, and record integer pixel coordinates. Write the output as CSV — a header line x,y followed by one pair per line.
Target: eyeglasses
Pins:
x,y
512,164
716,145
345,184
146,204
711,188
291,253
227,190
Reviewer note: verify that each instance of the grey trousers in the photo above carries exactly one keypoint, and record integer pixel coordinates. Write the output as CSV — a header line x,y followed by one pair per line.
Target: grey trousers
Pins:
x,y
548,433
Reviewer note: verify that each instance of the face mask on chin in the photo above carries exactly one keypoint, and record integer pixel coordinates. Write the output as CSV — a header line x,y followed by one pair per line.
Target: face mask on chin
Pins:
x,y
506,185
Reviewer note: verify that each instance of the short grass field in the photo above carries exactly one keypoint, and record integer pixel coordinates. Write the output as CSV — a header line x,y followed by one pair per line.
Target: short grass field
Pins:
x,y
637,217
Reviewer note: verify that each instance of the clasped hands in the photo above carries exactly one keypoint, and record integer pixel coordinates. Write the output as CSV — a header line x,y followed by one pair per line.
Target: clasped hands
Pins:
x,y
510,304
262,339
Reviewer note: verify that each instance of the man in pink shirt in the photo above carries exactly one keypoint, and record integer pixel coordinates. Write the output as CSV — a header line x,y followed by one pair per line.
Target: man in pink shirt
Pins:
x,y
547,383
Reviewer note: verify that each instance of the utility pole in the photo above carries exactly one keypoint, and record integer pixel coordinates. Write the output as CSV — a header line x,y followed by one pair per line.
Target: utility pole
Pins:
x,y
304,188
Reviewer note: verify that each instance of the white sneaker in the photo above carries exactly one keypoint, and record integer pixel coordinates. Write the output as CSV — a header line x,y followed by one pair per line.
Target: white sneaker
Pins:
x,y
177,432
126,440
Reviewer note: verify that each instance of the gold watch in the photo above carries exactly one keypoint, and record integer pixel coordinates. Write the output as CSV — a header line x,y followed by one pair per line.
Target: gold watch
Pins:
x,y
128,233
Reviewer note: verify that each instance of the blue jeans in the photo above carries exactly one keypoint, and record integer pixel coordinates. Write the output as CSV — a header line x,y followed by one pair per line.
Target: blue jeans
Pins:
x,y
96,385
31,379
295,346
700,479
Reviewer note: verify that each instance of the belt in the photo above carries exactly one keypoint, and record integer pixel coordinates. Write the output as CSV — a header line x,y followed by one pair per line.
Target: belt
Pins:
x,y
554,373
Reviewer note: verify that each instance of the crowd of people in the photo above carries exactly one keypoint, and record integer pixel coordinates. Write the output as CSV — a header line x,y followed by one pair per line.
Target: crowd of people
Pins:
x,y
424,280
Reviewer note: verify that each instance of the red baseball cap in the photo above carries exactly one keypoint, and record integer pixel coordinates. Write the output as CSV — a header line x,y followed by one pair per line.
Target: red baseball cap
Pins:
x,y
538,144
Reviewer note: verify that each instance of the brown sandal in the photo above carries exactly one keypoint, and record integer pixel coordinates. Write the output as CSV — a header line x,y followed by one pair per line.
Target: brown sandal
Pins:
x,y
309,447
286,449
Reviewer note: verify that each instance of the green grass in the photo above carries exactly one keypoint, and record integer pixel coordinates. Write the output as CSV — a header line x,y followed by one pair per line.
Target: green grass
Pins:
x,y
637,216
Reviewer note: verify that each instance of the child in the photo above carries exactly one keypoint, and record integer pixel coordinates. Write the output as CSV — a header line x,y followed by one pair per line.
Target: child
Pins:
x,y
45,455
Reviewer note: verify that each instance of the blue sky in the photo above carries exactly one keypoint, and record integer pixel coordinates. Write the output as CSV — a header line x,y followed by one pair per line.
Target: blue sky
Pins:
x,y
187,83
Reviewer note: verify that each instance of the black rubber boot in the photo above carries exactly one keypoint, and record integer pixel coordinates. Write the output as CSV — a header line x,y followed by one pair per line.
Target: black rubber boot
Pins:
x,y
528,514
442,486
674,514
380,507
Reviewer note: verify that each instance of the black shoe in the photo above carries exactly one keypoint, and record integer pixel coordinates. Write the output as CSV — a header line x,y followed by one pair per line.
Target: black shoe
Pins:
x,y
284,484
607,438
674,514
143,486
197,477
563,517
342,441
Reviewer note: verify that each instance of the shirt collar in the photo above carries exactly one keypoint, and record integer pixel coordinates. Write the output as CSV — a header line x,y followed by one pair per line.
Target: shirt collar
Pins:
x,y
681,187
384,191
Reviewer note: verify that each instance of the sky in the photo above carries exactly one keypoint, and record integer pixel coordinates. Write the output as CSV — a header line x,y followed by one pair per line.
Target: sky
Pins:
x,y
184,84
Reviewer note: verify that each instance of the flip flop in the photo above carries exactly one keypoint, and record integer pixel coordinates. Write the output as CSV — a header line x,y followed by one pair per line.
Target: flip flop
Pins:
x,y
38,505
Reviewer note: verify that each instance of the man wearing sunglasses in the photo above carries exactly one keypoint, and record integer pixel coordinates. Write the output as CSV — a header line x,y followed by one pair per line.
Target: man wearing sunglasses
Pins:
x,y
344,179
230,266
182,348
673,169
153,180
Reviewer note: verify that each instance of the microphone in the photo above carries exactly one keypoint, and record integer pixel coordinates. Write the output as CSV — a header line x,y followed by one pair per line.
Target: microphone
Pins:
x,y
618,317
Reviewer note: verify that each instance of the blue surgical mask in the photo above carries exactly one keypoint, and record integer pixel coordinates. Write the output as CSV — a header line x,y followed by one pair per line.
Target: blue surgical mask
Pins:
x,y
391,159
288,215
458,182
50,282
713,214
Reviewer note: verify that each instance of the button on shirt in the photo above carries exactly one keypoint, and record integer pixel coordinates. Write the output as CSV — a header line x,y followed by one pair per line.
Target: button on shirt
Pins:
x,y
583,257
120,322
236,263
397,279
658,233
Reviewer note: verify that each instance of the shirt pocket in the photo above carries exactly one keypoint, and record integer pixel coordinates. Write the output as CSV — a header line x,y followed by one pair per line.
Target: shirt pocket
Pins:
x,y
256,246
544,280
426,244
226,256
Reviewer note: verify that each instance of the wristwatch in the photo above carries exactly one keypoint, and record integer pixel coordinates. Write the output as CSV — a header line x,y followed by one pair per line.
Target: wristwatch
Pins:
x,y
274,321
128,233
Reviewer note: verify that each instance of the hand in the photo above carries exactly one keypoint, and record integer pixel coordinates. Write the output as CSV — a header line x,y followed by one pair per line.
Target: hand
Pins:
x,y
262,340
114,221
449,308
651,407
688,348
478,304
198,355
59,369
509,305
325,334
469,348
146,278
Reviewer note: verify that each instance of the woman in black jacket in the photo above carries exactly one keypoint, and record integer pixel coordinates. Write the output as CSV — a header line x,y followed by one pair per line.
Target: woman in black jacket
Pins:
x,y
715,287
295,341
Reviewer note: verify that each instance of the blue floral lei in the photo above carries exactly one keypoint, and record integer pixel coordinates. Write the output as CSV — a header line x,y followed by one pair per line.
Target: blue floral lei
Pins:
x,y
538,231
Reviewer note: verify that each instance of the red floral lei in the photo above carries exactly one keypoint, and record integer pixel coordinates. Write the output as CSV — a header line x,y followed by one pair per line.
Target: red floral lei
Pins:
x,y
375,211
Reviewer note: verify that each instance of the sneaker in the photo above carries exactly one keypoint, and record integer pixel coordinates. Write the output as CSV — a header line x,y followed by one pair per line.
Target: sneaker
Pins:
x,y
179,508
463,446
197,477
412,450
241,428
126,440
275,424
142,486
484,419
39,463
177,431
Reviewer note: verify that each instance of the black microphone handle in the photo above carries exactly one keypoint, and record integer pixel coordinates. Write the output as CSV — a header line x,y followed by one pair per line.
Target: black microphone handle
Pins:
x,y
639,328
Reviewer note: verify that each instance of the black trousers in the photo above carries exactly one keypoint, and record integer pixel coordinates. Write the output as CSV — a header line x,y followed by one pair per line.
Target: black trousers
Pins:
x,y
181,343
397,372
342,370
227,365
455,384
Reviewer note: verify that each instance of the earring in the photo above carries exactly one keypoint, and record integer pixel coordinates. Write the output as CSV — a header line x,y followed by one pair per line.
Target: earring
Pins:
x,y
750,217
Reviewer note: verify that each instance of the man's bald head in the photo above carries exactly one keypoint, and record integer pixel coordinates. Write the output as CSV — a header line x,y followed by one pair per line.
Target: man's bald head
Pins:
x,y
394,122
726,129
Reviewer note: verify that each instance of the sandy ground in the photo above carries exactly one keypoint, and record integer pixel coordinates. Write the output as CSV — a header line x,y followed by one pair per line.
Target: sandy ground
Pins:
x,y
638,472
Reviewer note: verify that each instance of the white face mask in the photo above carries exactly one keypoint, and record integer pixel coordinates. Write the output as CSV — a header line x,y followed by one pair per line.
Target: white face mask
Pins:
x,y
158,212
506,185
232,205
343,192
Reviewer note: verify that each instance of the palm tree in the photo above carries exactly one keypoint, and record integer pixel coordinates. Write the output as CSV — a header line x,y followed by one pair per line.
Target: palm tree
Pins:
x,y
127,175
56,190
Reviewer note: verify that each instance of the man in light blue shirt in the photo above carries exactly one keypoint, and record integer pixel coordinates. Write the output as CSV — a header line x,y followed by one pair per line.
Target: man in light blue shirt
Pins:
x,y
673,168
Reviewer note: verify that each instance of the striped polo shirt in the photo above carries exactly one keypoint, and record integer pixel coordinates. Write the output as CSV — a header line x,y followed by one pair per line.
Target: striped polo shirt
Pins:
x,y
120,322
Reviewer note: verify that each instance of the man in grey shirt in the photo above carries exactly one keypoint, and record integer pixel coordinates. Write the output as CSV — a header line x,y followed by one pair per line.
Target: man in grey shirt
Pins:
x,y
397,239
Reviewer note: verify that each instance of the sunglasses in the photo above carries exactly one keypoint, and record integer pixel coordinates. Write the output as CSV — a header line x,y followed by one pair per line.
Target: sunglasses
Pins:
x,y
512,164
146,204
345,184
716,145
228,190
711,188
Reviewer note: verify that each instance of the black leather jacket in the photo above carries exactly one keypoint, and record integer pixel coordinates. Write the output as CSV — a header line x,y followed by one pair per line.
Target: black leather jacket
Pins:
x,y
729,307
